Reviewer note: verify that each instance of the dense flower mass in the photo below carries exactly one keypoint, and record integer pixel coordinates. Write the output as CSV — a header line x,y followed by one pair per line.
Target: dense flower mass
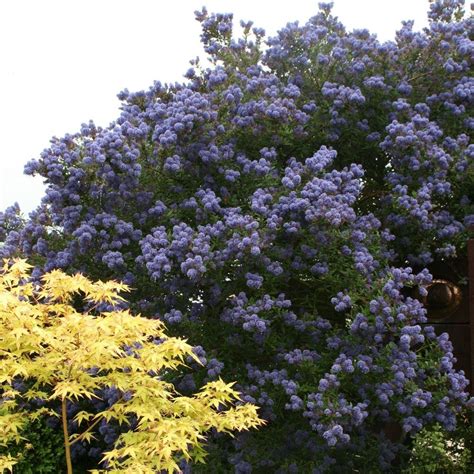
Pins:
x,y
273,209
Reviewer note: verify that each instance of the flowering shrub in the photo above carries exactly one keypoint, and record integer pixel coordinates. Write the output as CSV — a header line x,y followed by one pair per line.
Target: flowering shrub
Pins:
x,y
272,208
51,352
430,451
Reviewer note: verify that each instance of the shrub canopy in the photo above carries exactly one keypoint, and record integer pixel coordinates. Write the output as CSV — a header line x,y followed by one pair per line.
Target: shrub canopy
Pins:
x,y
272,208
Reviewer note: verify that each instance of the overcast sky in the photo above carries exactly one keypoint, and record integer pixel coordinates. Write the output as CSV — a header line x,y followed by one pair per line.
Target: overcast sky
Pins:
x,y
62,62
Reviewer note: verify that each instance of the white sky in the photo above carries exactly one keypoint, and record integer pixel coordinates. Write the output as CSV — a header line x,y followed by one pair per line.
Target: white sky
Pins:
x,y
62,62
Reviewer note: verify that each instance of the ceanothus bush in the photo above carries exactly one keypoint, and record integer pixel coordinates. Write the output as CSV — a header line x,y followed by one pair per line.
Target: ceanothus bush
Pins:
x,y
272,208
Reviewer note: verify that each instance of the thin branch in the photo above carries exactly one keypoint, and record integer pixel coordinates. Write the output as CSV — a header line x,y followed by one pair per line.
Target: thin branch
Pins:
x,y
81,436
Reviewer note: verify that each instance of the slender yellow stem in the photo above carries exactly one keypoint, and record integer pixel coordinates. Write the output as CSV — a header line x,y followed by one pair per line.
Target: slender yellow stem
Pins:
x,y
67,444
81,436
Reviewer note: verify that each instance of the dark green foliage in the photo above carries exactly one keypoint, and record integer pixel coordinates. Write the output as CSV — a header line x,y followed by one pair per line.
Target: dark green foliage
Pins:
x,y
43,453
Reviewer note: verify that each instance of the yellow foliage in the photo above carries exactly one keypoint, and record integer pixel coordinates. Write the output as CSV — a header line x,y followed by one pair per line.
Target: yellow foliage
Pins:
x,y
68,354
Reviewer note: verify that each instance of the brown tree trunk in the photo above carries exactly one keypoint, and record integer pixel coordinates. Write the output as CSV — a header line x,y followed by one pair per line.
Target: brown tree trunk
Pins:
x,y
67,444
